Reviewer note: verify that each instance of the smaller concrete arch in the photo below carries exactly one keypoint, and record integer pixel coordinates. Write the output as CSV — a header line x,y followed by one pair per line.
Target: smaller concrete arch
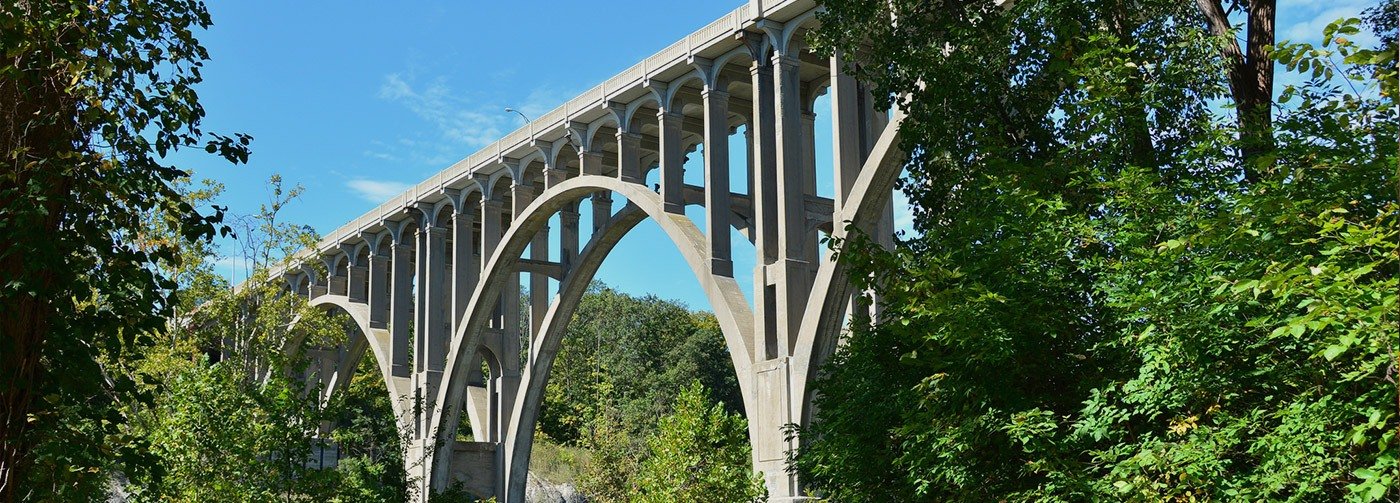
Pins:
x,y
493,181
336,261
399,230
654,95
813,90
723,61
296,281
537,154
591,132
558,147
377,243
780,35
358,250
376,340
673,89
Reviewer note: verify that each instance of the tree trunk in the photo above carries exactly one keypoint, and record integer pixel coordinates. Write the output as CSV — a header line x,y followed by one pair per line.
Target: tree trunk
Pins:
x,y
37,124
1251,75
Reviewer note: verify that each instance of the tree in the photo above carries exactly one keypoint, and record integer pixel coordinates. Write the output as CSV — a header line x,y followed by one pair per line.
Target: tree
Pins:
x,y
637,353
699,453
1112,293
94,98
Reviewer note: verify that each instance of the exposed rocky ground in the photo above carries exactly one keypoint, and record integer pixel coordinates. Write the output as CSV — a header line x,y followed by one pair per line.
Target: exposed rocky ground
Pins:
x,y
539,490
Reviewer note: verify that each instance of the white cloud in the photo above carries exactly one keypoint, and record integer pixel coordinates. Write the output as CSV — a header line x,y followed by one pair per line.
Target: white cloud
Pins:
x,y
1311,30
376,191
462,122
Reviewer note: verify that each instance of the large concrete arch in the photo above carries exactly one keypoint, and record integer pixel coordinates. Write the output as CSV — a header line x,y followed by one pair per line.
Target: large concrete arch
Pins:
x,y
376,340
826,304
520,435
729,304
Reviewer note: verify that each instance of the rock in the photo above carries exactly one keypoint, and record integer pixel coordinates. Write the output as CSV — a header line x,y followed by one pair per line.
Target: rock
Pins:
x,y
538,490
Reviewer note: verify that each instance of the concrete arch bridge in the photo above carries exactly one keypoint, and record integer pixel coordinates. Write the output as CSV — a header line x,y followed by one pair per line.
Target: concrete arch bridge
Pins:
x,y
432,278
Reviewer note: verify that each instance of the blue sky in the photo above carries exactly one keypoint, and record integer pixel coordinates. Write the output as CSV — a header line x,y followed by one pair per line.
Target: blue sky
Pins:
x,y
358,100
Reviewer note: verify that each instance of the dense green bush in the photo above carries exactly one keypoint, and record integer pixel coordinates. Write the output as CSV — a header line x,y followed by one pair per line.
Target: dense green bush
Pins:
x,y
1108,295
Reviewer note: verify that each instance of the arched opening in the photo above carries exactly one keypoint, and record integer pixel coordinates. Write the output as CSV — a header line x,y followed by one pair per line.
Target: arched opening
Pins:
x,y
362,416
723,292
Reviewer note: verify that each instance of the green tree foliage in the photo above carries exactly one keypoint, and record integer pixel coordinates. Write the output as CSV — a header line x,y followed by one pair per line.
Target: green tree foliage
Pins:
x,y
372,464
222,438
699,453
1108,295
237,421
93,96
637,354
622,362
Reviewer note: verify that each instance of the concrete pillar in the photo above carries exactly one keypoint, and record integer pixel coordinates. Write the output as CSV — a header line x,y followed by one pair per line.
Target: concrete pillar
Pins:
x,y
522,196
568,236
378,287
790,273
748,160
431,330
846,153
492,212
590,163
809,167
356,278
420,267
717,210
672,162
465,271
401,307
436,293
337,283
629,156
763,190
602,209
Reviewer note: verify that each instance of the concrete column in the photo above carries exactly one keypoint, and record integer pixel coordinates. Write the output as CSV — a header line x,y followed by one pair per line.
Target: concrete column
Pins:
x,y
809,167
672,162
590,163
378,289
319,286
568,236
521,196
492,211
790,273
629,157
763,190
420,325
553,176
748,160
846,154
539,250
436,293
717,211
401,309
356,278
431,328
337,283
465,271
539,283
602,209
